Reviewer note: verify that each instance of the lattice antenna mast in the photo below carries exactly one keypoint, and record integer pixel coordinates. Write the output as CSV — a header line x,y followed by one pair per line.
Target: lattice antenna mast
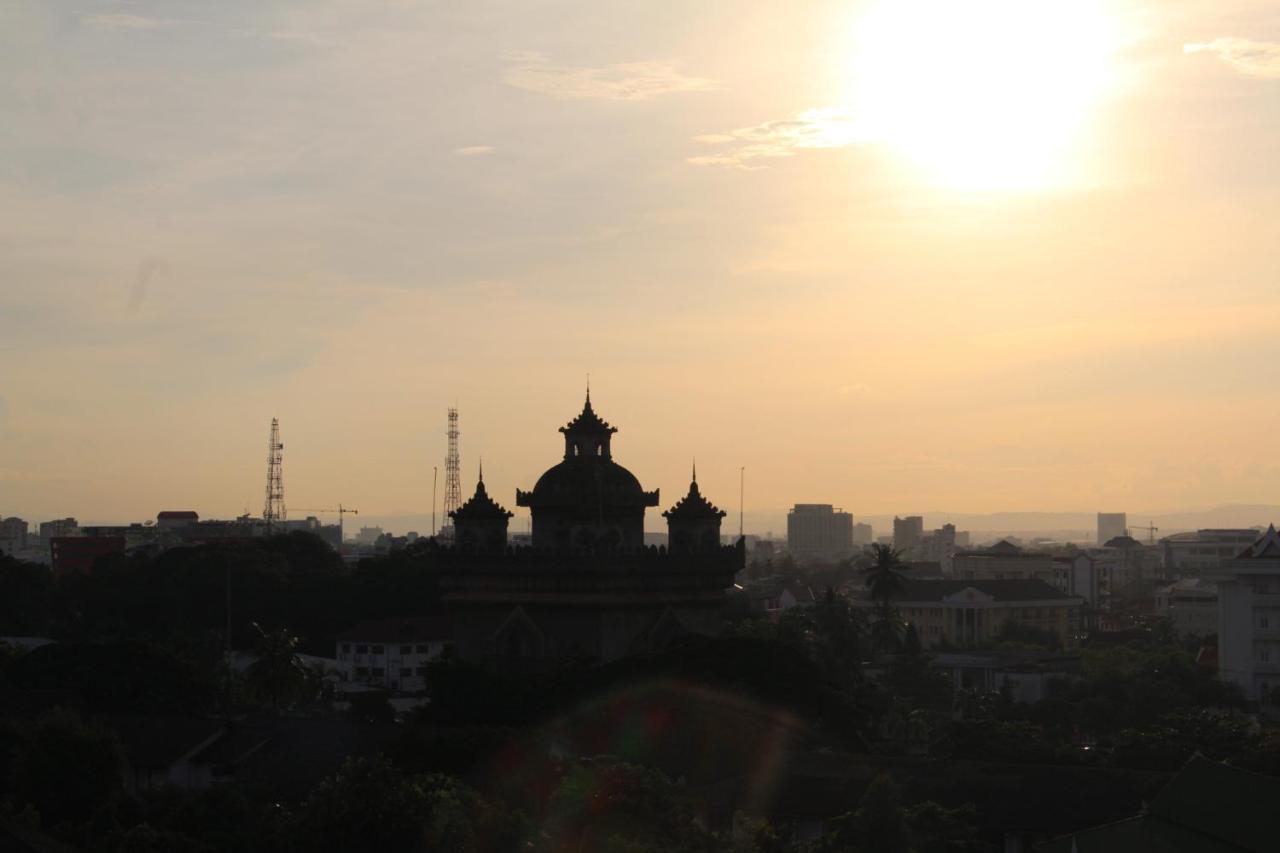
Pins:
x,y
273,511
452,469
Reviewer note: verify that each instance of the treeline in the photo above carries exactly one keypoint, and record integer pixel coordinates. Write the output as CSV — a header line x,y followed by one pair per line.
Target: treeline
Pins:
x,y
193,593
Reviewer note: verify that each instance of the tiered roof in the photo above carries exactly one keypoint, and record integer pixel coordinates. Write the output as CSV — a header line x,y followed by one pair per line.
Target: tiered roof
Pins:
x,y
588,421
480,505
1266,548
694,505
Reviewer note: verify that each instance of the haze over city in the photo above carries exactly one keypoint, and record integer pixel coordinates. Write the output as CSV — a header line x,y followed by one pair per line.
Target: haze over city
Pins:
x,y
811,242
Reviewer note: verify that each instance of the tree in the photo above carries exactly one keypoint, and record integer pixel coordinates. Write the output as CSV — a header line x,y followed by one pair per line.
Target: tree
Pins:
x,y
603,804
69,770
278,673
885,580
371,806
884,576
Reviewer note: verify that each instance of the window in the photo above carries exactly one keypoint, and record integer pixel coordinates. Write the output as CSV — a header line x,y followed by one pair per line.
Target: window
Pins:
x,y
1264,621
772,604
377,650
362,672
422,671
360,650
406,650
405,671
346,647
379,672
422,648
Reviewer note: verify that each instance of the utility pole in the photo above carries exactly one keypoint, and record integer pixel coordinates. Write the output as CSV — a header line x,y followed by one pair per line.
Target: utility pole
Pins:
x,y
435,474
742,491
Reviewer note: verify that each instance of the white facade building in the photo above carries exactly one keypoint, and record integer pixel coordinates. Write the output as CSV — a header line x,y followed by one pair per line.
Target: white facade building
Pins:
x,y
1190,605
1249,620
390,653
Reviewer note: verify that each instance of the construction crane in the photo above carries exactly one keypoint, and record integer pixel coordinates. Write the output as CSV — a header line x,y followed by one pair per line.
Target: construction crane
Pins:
x,y
341,511
1151,532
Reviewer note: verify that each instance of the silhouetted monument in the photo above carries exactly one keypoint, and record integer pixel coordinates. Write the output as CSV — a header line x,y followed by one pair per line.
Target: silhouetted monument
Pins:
x,y
588,589
588,501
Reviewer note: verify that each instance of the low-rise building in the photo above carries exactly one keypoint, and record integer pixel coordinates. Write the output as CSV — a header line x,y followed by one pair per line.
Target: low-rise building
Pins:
x,y
771,597
1190,605
1005,561
1023,676
1193,554
967,613
77,554
391,653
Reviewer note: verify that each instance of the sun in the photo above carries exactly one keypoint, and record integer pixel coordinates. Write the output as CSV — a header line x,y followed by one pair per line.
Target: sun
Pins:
x,y
991,95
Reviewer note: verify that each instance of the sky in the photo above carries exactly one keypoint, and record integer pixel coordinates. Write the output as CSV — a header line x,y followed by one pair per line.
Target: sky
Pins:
x,y
894,256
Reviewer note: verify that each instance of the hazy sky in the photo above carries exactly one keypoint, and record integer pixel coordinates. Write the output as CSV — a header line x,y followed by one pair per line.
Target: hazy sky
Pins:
x,y
895,256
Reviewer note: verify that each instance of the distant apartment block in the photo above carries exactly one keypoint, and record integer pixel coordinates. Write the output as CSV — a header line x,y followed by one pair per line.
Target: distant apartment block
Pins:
x,y
1111,525
819,532
1192,554
908,533
863,534
1249,621
13,535
59,527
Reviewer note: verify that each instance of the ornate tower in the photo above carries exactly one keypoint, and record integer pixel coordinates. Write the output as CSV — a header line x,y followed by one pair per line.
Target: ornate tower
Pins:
x,y
273,511
588,502
693,524
480,524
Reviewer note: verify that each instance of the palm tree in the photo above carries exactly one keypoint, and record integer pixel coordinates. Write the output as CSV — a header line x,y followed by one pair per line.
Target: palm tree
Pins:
x,y
884,575
885,580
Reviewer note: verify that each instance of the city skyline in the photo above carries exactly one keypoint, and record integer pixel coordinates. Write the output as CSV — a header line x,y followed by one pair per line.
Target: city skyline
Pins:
x,y
410,208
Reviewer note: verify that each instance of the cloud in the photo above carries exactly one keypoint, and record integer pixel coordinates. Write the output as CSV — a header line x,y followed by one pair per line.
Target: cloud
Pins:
x,y
1259,59
121,21
473,150
624,81
820,127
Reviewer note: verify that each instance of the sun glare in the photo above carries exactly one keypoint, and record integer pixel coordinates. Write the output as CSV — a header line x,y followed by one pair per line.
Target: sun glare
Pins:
x,y
991,95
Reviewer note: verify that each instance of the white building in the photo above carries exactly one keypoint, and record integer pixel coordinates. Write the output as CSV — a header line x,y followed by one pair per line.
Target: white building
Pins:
x,y
391,653
1249,620
1190,605
1192,554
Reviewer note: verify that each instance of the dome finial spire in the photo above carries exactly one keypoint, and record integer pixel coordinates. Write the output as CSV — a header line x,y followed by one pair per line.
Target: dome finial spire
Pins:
x,y
588,389
695,469
481,469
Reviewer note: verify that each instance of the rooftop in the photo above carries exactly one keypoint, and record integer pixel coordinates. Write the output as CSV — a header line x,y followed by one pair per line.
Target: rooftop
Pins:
x,y
1030,589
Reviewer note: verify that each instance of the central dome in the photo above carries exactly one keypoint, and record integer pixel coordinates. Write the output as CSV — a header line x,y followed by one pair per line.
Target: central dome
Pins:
x,y
587,501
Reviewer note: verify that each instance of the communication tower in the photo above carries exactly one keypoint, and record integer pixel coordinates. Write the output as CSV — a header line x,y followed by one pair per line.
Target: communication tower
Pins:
x,y
273,510
452,472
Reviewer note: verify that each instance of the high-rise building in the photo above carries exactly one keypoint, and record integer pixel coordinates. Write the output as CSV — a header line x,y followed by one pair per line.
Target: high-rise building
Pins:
x,y
13,535
1111,525
907,533
863,534
819,532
